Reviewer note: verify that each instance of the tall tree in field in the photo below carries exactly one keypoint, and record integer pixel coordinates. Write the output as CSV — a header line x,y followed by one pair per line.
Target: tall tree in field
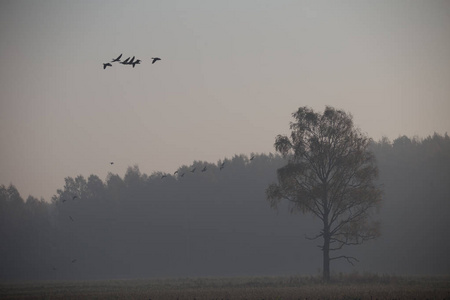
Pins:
x,y
330,173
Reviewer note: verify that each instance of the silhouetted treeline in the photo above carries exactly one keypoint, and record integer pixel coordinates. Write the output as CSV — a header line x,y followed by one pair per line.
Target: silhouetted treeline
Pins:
x,y
218,222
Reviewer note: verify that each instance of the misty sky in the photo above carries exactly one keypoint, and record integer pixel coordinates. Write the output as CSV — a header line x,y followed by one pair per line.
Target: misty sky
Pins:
x,y
231,74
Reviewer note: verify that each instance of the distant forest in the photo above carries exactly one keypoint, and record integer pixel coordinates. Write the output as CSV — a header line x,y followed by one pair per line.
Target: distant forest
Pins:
x,y
219,223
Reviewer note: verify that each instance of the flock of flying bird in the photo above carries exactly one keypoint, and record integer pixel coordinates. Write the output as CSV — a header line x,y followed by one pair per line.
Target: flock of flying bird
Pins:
x,y
128,61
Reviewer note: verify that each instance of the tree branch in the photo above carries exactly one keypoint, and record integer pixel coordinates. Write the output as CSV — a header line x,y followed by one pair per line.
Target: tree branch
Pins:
x,y
348,258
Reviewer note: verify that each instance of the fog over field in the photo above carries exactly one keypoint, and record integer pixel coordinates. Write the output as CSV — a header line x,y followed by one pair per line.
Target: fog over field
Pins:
x,y
137,137
219,223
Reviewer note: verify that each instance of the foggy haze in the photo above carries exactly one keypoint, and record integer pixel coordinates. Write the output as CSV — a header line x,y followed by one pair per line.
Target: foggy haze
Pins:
x,y
230,75
218,222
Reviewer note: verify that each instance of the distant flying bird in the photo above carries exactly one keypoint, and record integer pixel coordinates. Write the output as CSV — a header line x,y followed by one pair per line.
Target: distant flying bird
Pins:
x,y
222,166
117,59
182,174
74,197
106,65
164,176
176,172
131,61
74,260
125,61
64,200
204,169
155,59
112,163
251,158
137,62
71,218
193,170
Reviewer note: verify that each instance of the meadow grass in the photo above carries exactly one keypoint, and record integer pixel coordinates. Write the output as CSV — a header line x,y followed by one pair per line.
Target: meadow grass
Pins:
x,y
345,287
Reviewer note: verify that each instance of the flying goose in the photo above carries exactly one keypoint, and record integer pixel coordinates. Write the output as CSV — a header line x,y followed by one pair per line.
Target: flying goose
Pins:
x,y
106,65
155,59
125,61
137,62
117,59
131,61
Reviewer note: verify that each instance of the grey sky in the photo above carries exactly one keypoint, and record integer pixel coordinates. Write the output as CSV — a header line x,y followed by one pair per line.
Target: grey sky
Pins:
x,y
231,74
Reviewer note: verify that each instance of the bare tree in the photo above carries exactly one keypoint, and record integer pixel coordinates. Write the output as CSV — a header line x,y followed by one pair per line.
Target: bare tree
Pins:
x,y
330,173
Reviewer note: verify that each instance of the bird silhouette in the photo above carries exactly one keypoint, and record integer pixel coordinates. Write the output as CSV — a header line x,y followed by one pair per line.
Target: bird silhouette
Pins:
x,y
176,172
74,197
193,170
155,59
182,174
106,65
125,61
117,59
222,166
131,61
137,62
74,260
251,158
71,218
204,169
164,176
63,200
112,163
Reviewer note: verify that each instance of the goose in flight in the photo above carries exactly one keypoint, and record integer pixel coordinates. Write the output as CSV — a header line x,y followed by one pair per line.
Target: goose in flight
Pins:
x,y
251,158
182,174
193,170
125,61
106,65
74,197
222,166
155,59
176,172
164,176
137,62
131,61
117,59
74,260
112,163
204,169
71,218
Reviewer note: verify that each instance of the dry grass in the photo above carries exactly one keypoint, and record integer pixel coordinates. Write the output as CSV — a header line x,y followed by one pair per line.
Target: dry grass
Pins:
x,y
343,287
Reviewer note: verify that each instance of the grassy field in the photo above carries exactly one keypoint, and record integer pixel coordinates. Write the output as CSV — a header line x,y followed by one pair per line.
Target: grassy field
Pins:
x,y
251,288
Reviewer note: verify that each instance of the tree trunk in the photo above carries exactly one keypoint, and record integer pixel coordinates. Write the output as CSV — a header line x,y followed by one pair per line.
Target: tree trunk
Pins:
x,y
326,257
326,245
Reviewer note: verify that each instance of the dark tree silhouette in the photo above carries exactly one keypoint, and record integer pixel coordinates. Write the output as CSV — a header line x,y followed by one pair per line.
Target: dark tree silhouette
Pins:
x,y
330,173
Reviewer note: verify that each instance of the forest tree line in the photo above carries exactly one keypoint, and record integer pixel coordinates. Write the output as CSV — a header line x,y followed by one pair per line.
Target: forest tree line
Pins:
x,y
219,223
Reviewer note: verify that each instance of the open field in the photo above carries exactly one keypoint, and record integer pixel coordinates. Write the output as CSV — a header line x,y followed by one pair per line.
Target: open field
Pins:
x,y
288,287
